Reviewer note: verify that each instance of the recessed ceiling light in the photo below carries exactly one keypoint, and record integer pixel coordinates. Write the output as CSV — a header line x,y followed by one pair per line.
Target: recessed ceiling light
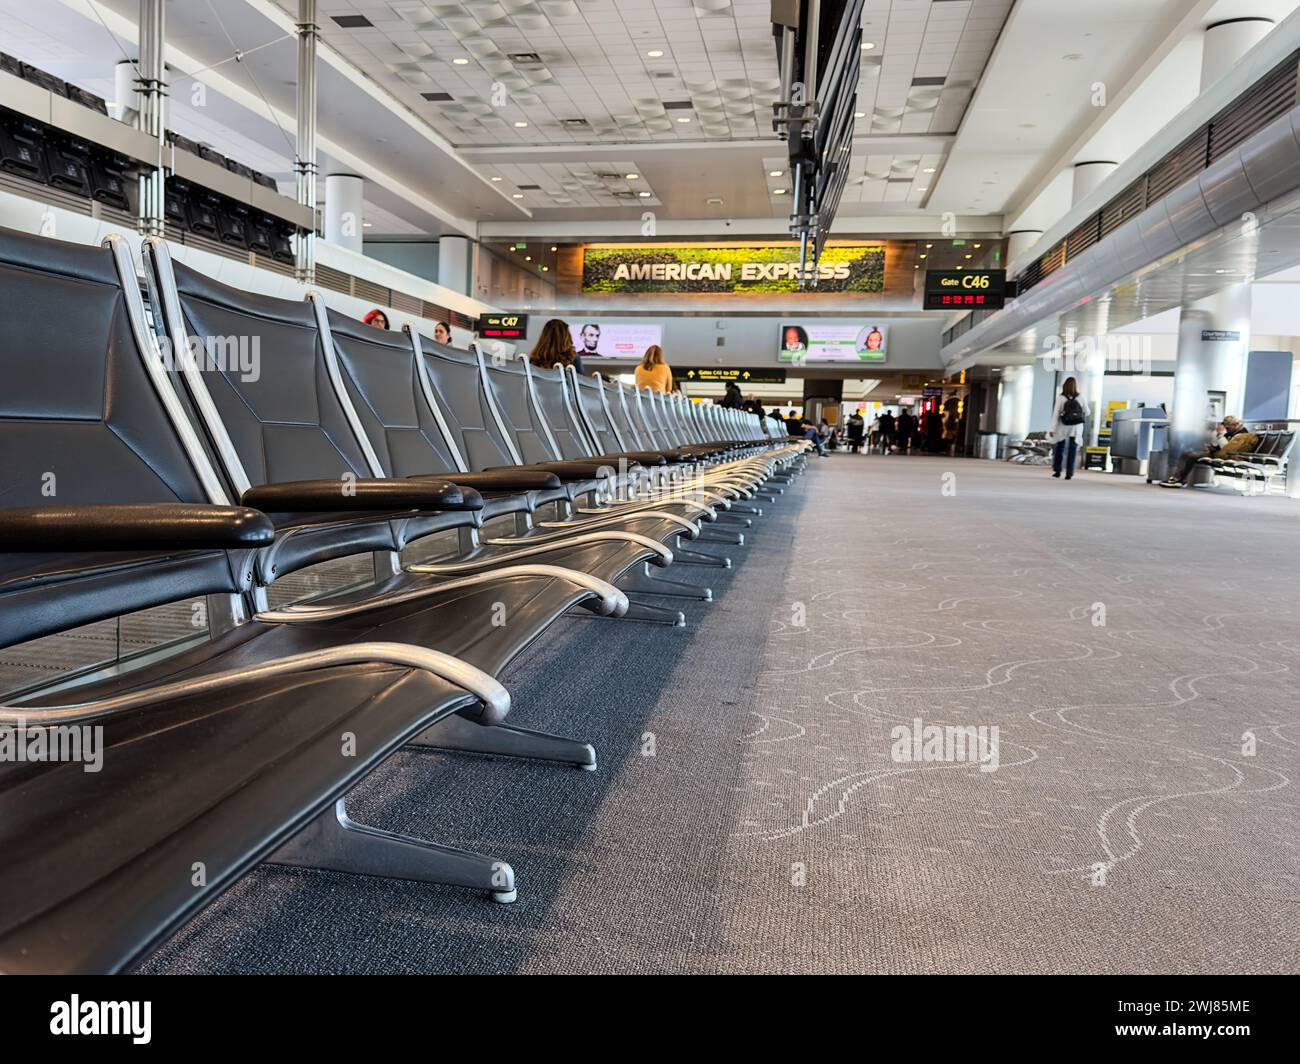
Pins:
x,y
683,120
528,258
867,46
923,256
975,245
632,177
371,225
859,114
655,53
959,267
928,170
516,195
922,190
460,62
496,179
968,256
929,245
644,195
521,125
775,173
778,192
554,248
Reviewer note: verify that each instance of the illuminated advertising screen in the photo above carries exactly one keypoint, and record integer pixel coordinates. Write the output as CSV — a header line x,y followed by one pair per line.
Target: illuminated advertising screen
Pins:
x,y
860,342
604,339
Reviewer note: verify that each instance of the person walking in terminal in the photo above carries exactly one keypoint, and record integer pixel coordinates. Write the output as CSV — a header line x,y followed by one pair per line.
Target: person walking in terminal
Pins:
x,y
653,372
1068,419
855,426
886,434
555,347
905,430
1232,438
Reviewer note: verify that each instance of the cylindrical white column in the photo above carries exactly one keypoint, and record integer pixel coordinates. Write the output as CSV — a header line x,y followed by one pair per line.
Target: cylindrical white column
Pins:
x,y
453,263
343,210
1015,407
126,100
1021,240
1226,42
1213,338
1088,175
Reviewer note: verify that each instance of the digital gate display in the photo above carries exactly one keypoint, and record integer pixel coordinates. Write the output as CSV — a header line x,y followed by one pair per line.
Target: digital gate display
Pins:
x,y
503,326
972,289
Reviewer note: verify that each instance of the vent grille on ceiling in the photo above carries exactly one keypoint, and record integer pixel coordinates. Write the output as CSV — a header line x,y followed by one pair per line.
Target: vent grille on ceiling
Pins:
x,y
1269,98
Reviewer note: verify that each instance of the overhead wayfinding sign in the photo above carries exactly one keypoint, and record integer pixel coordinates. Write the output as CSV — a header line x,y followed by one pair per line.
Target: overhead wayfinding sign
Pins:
x,y
503,326
726,376
965,289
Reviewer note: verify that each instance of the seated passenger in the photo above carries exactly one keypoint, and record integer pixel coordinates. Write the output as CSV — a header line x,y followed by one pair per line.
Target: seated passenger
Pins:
x,y
1233,439
555,347
377,318
653,372
811,434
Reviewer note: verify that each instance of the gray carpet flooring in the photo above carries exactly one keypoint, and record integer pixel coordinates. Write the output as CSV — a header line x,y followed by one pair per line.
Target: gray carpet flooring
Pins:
x,y
751,812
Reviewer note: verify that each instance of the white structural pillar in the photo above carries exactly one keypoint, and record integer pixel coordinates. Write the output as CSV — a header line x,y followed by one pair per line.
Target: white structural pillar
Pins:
x,y
304,162
126,97
453,263
1213,339
1015,405
152,114
1088,175
1021,240
343,210
1226,42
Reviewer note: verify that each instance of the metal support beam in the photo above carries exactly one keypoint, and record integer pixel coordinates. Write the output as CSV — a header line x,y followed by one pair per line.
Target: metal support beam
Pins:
x,y
304,163
151,83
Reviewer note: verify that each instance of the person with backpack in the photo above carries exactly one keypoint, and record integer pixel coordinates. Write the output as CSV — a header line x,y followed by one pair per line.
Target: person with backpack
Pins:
x,y
1068,419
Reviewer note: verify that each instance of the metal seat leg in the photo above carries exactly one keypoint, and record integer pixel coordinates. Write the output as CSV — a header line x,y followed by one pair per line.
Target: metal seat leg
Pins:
x,y
335,842
457,733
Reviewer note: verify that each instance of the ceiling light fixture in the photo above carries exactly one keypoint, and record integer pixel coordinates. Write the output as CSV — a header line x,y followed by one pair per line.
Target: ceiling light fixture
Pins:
x,y
521,125
554,248
928,170
516,195
859,114
778,192
644,195
867,46
655,54
683,120
496,179
460,62
775,173
632,177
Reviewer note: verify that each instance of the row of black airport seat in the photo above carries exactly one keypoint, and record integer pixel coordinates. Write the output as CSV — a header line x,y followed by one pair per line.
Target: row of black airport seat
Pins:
x,y
48,156
217,474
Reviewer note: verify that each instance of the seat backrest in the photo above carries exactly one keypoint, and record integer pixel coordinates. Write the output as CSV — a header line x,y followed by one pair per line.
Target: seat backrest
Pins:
x,y
88,416
1286,440
641,405
456,381
378,369
554,400
271,403
619,401
588,399
510,391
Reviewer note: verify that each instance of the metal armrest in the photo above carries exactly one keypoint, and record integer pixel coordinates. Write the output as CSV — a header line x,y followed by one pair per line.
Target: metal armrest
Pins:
x,y
508,480
133,526
363,493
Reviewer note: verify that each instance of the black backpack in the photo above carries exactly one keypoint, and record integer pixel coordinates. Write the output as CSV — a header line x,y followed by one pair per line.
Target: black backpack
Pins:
x,y
1071,411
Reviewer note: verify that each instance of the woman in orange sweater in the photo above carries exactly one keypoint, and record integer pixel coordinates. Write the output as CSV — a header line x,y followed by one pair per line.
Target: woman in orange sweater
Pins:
x,y
653,372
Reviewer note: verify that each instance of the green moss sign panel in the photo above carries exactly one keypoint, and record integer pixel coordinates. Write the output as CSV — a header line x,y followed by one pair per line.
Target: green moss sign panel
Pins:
x,y
658,269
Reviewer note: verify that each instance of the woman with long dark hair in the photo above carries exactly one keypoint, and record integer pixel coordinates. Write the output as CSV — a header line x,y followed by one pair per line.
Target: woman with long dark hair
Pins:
x,y
554,347
1068,419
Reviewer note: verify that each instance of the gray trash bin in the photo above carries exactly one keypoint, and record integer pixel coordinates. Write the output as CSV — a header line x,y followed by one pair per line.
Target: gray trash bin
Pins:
x,y
991,445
